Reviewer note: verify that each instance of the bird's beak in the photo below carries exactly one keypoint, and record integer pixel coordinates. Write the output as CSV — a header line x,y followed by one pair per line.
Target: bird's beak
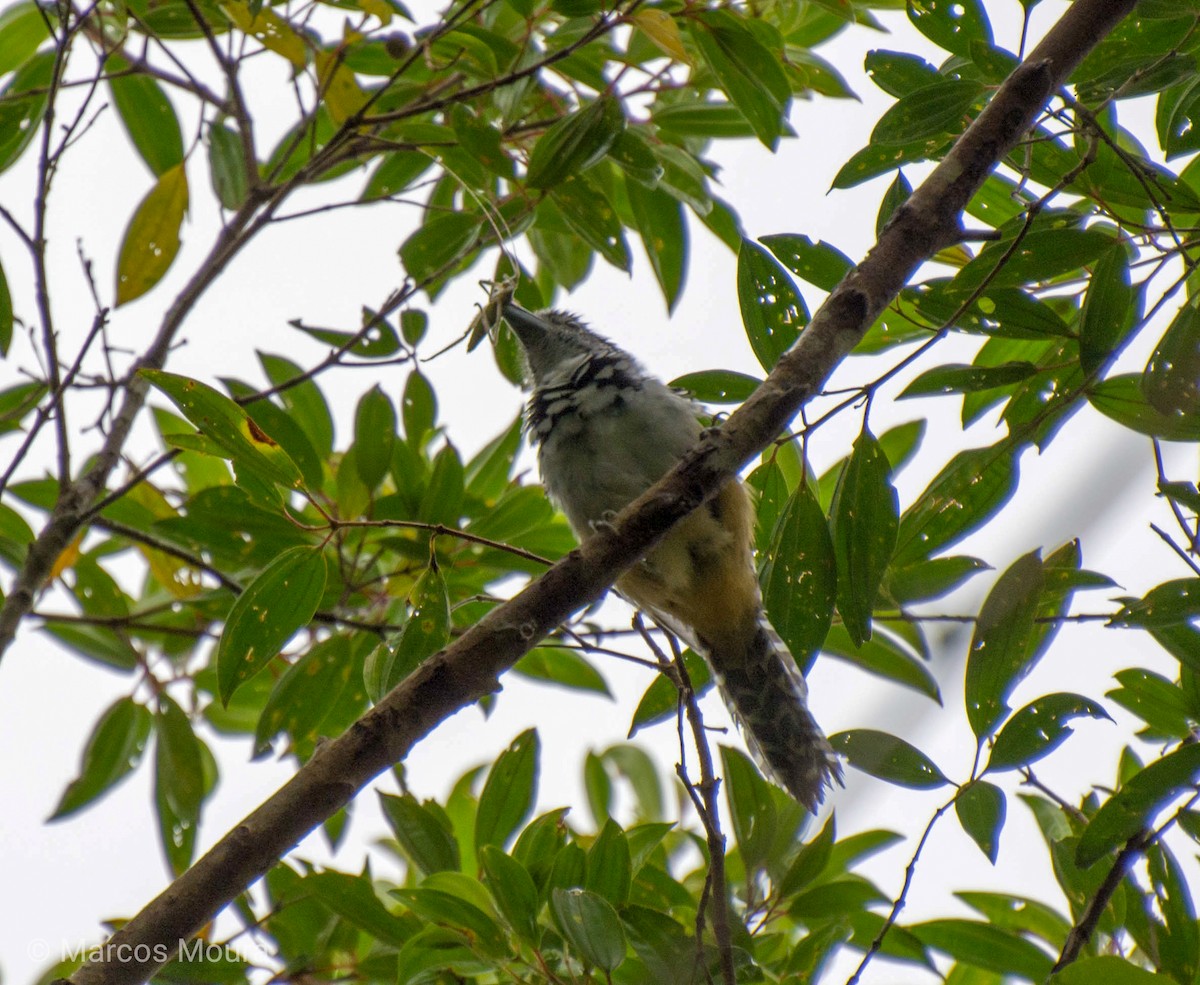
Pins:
x,y
528,326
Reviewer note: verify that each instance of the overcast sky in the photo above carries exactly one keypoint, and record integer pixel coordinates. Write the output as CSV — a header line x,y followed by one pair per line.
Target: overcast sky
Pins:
x,y
106,862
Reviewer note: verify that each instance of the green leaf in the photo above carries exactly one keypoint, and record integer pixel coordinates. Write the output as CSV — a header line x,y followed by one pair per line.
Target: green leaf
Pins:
x,y
864,519
481,141
963,496
590,925
396,172
1171,381
660,701
957,378
418,409
220,419
951,25
444,238
659,220
889,758
936,110
566,668
513,890
353,898
1157,701
751,807
425,632
587,211
442,502
897,194
374,436
146,114
292,439
575,143
6,315
487,474
306,694
24,27
151,239
818,263
884,658
1130,809
609,865
278,602
1108,310
18,401
633,156
985,946
113,750
378,341
898,73
641,773
799,577
1122,398
1039,728
717,386
928,580
227,166
303,402
1179,947
423,830
179,781
1108,968
414,323
748,71
981,808
811,861
702,119
773,312
1053,245
877,159
509,793
441,907
22,106
1002,644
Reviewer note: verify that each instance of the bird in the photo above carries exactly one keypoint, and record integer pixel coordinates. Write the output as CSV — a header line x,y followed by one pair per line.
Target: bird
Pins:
x,y
605,431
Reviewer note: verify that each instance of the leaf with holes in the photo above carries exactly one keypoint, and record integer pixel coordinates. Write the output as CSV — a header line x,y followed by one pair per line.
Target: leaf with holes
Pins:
x,y
864,518
1039,728
773,312
151,239
889,758
278,602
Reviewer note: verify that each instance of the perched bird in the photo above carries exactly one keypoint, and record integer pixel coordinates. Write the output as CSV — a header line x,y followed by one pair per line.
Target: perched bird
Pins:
x,y
606,431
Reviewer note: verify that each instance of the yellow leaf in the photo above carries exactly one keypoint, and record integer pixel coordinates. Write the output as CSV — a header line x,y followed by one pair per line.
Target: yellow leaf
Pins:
x,y
339,88
67,558
152,237
660,27
954,256
379,8
171,573
271,31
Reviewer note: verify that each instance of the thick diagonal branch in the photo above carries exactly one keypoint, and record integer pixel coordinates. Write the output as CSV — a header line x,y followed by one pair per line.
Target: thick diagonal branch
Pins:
x,y
470,668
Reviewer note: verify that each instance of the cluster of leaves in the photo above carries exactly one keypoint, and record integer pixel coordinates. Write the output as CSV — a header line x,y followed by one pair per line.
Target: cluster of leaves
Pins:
x,y
325,574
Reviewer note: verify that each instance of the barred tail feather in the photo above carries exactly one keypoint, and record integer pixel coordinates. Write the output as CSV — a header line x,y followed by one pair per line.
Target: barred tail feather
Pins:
x,y
767,695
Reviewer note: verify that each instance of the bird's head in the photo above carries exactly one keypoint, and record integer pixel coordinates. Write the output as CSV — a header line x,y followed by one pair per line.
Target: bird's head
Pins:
x,y
555,343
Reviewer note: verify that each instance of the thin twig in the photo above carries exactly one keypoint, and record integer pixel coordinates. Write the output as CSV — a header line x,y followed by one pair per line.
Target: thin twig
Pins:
x,y
898,903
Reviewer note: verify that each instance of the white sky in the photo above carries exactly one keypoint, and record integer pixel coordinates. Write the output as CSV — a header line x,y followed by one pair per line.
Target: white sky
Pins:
x,y
106,862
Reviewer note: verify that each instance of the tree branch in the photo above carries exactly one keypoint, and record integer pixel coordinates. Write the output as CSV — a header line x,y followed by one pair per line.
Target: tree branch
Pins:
x,y
469,668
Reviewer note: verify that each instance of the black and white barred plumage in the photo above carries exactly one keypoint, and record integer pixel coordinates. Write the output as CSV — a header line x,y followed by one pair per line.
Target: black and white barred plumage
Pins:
x,y
606,431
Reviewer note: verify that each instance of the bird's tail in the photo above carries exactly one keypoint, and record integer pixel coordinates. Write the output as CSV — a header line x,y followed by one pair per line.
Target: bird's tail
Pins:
x,y
768,697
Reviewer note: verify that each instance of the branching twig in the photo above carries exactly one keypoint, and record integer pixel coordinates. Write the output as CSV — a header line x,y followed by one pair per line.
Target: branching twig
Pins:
x,y
901,897
703,795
